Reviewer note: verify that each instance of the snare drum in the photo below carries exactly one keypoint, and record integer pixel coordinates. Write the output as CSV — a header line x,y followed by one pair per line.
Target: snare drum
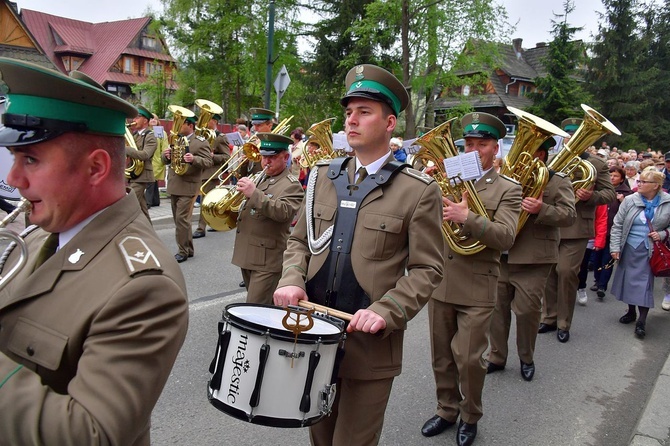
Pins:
x,y
263,374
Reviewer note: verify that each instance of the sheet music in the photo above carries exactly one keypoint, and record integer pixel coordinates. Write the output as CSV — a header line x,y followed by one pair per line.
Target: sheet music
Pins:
x,y
159,131
467,166
340,142
235,139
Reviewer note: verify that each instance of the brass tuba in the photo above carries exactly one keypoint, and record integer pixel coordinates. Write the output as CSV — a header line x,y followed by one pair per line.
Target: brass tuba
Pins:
x,y
581,172
436,145
207,110
322,135
178,144
520,162
134,167
221,205
23,205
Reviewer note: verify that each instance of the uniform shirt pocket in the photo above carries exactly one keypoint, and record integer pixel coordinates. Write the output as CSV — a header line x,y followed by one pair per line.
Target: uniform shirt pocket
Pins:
x,y
381,237
324,216
485,275
37,344
257,249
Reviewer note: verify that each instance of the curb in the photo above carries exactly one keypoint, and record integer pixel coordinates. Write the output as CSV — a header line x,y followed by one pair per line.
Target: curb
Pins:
x,y
653,428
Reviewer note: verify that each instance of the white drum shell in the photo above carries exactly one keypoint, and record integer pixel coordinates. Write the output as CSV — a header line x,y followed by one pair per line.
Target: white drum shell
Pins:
x,y
282,386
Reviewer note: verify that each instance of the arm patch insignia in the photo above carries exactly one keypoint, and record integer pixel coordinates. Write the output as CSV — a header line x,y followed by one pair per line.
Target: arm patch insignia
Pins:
x,y
138,256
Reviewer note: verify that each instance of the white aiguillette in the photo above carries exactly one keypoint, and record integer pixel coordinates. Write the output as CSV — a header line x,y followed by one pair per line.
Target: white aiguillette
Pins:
x,y
466,166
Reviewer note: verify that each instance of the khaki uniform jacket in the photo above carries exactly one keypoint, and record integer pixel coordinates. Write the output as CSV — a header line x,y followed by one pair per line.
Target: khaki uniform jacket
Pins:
x,y
398,227
220,154
472,279
264,222
97,328
146,146
189,183
603,193
537,242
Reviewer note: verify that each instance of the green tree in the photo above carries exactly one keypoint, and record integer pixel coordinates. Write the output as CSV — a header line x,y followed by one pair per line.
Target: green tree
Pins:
x,y
559,93
619,86
156,91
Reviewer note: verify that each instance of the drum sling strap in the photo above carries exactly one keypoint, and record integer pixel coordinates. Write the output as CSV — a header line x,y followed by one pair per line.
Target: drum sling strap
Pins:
x,y
335,284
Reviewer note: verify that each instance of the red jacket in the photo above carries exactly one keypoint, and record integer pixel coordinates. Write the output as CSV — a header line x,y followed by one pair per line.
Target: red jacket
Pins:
x,y
600,226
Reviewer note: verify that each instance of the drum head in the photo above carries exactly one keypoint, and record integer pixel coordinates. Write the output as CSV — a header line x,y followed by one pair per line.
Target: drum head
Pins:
x,y
6,161
269,318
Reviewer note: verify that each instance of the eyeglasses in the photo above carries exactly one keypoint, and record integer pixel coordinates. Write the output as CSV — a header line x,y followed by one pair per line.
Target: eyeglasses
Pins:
x,y
608,265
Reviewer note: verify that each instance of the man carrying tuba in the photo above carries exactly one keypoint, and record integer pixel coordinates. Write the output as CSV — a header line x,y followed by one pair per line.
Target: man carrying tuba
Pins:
x,y
220,154
461,307
525,268
561,293
145,146
184,188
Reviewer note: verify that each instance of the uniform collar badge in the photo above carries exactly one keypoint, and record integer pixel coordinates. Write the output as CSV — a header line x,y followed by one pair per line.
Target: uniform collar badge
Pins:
x,y
76,256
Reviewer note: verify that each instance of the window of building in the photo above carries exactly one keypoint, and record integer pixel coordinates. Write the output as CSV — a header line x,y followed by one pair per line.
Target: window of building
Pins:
x,y
66,63
76,62
152,67
466,90
149,42
127,65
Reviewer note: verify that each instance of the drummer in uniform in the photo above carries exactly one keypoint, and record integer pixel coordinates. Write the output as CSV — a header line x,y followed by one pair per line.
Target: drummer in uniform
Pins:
x,y
368,241
265,218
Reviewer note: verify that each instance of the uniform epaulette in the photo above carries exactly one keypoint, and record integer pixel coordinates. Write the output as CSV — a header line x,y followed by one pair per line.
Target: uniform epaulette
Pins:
x,y
201,138
512,180
418,175
292,178
137,256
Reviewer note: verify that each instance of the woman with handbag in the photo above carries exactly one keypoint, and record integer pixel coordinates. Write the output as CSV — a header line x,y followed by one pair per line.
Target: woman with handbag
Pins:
x,y
642,219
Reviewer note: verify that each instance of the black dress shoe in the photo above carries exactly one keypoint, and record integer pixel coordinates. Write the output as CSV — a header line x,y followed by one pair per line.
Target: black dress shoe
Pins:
x,y
211,230
527,371
180,258
640,331
199,234
628,318
601,293
242,284
190,254
466,433
563,335
545,328
493,367
435,425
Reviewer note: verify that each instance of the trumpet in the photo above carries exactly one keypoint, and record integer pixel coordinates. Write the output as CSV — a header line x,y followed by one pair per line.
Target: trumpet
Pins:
x,y
23,206
178,144
134,167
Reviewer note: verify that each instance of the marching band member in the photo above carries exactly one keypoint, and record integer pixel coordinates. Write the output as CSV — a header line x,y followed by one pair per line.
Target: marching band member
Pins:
x,y
368,241
146,146
91,326
461,307
184,188
220,154
561,292
265,218
525,268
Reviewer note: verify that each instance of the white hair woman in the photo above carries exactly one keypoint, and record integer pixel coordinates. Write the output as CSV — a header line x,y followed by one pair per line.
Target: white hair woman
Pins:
x,y
630,244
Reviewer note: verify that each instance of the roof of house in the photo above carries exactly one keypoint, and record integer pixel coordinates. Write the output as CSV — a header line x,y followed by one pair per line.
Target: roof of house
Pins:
x,y
16,41
101,43
27,54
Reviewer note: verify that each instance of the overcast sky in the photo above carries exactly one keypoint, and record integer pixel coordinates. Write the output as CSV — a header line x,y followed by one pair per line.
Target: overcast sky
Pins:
x,y
532,17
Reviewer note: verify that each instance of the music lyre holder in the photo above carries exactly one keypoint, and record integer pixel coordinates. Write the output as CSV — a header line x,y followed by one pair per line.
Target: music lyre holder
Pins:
x,y
292,322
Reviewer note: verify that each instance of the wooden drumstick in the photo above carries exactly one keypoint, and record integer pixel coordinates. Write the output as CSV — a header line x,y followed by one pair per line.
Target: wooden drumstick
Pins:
x,y
325,310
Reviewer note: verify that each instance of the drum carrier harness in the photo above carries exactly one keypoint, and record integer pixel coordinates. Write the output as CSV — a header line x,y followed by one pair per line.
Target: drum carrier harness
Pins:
x,y
335,284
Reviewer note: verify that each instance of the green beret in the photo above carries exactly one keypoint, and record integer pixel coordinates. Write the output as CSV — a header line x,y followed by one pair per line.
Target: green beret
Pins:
x,y
143,111
272,144
41,104
571,125
482,125
372,82
260,115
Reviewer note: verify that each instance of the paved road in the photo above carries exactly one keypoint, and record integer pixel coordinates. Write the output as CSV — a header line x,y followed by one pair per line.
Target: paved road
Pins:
x,y
590,391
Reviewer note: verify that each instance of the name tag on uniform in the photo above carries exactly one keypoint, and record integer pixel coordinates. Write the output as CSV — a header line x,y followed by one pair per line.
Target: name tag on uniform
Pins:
x,y
348,204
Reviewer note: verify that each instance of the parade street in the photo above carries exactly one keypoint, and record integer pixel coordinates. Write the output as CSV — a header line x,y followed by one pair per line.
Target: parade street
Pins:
x,y
592,390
